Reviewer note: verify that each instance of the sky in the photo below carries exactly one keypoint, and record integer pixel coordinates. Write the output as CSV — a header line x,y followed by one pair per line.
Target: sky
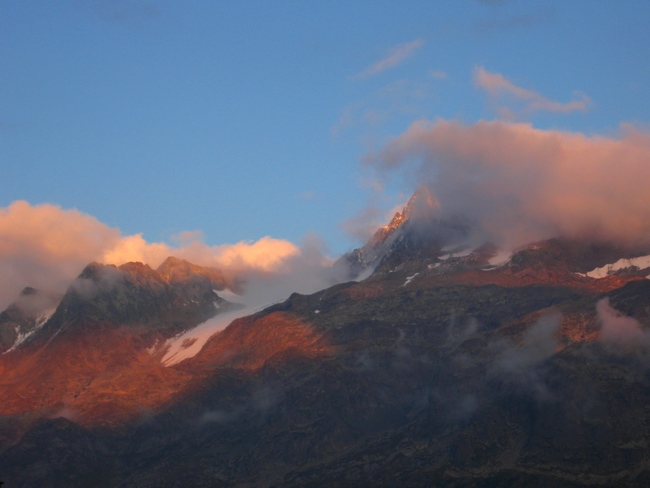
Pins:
x,y
245,134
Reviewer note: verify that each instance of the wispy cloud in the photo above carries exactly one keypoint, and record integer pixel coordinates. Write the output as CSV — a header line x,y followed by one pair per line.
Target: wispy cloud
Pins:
x,y
620,330
394,99
500,89
395,56
439,74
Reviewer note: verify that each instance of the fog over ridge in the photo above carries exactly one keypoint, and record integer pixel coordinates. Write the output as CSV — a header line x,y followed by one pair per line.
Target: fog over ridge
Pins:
x,y
522,184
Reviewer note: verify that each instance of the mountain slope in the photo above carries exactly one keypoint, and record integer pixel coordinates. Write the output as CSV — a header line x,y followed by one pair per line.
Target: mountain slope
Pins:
x,y
445,367
92,360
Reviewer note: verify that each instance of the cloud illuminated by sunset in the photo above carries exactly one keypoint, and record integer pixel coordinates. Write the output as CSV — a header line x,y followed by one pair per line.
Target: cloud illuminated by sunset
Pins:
x,y
46,246
499,87
519,183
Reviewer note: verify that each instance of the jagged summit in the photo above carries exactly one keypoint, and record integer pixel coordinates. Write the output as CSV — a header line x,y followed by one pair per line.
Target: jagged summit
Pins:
x,y
25,316
421,206
418,228
419,239
175,270
443,368
175,297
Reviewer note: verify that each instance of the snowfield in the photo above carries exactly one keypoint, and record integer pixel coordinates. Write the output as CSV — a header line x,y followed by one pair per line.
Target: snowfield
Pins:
x,y
641,262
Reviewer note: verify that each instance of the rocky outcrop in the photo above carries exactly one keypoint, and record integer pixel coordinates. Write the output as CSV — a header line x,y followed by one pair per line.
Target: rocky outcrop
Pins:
x,y
25,316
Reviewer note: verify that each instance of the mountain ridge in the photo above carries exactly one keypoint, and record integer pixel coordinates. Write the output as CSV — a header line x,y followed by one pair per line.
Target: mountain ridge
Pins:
x,y
448,364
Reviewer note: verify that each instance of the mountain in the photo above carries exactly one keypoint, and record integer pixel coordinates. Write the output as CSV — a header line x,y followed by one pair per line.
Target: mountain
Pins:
x,y
26,315
449,365
92,355
415,231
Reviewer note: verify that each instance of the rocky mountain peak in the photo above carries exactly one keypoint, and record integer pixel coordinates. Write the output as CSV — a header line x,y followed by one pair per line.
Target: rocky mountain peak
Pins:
x,y
422,205
28,290
176,297
418,230
175,270
23,317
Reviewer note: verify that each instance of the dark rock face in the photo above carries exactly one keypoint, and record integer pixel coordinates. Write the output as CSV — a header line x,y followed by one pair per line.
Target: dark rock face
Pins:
x,y
166,301
23,317
417,229
432,372
96,355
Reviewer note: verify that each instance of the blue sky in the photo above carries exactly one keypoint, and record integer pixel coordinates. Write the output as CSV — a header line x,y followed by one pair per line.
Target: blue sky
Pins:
x,y
251,119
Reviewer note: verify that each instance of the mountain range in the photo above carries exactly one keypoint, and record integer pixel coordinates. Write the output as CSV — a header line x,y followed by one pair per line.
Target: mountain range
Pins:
x,y
441,362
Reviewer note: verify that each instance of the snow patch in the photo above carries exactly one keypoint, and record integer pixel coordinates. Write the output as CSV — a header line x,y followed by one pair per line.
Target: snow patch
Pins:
x,y
432,266
44,317
20,339
641,262
316,311
409,279
189,343
40,322
227,295
455,252
463,253
500,258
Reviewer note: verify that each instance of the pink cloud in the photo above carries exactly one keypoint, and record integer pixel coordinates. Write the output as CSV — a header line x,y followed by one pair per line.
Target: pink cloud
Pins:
x,y
499,87
46,247
519,184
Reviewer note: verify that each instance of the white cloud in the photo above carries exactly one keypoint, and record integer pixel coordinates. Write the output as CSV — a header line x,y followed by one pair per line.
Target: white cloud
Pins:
x,y
398,98
620,330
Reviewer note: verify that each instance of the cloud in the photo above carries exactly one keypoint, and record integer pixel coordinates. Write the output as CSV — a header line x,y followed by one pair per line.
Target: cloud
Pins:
x,y
398,98
395,56
519,184
46,247
523,363
499,88
439,74
364,224
620,330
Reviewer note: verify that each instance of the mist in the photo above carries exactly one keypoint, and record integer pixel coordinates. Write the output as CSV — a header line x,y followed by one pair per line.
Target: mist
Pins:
x,y
620,331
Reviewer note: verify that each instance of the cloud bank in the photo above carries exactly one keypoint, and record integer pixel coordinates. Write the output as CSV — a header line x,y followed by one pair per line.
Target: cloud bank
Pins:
x,y
46,247
518,184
